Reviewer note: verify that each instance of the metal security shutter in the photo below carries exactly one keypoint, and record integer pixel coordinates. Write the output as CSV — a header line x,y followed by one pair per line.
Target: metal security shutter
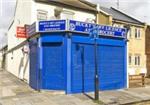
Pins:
x,y
34,64
82,68
53,74
111,67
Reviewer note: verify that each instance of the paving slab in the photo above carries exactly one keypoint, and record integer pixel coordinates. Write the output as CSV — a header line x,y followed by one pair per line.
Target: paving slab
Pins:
x,y
15,92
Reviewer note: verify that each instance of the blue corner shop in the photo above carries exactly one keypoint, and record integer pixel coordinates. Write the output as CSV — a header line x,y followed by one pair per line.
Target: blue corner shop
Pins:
x,y
62,56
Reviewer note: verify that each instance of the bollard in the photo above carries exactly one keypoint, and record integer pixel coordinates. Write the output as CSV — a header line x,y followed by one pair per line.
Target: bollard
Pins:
x,y
143,79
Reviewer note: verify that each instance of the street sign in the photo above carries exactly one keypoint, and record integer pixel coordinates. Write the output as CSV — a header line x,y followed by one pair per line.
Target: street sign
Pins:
x,y
31,30
94,33
21,32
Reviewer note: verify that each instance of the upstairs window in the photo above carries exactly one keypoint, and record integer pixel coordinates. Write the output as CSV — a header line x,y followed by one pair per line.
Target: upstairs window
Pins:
x,y
65,14
130,33
115,25
137,33
137,60
42,15
130,59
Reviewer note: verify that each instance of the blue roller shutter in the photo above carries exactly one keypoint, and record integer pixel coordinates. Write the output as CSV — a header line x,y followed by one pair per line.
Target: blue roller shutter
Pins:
x,y
53,74
34,74
82,68
111,67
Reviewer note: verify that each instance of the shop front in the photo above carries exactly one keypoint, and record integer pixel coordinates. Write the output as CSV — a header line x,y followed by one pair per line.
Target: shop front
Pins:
x,y
62,56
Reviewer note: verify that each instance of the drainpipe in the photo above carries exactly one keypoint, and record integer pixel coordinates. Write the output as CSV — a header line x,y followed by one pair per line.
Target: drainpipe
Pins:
x,y
127,54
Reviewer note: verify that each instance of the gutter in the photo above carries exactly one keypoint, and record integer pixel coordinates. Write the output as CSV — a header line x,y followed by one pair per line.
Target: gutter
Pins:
x,y
13,19
126,22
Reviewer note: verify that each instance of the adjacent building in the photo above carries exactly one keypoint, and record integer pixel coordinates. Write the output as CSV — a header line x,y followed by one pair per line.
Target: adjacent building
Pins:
x,y
136,37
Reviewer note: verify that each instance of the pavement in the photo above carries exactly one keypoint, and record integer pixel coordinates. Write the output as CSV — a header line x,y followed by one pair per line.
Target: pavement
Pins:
x,y
16,92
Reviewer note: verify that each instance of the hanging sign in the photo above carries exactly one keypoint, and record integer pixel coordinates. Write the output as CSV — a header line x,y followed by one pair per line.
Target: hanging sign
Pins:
x,y
21,32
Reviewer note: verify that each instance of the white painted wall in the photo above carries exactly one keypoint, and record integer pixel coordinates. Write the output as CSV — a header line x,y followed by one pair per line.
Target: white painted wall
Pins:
x,y
22,17
17,62
78,15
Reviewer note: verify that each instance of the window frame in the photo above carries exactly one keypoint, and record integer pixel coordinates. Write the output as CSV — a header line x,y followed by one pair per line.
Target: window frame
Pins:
x,y
67,12
137,60
130,59
137,33
42,13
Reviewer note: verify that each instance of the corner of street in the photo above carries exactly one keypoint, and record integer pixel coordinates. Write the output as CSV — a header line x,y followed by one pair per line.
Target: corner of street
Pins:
x,y
13,91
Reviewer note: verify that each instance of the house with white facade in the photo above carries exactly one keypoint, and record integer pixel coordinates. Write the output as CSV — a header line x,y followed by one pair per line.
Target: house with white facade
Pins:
x,y
29,11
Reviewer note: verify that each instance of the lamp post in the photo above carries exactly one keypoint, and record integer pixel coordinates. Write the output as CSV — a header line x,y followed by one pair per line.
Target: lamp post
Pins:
x,y
94,35
96,73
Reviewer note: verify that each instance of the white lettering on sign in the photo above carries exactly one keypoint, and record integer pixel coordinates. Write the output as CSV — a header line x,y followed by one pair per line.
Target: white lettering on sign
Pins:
x,y
21,32
101,32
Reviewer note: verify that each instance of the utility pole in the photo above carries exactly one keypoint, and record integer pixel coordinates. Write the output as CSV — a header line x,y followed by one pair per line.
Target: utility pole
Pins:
x,y
96,73
94,35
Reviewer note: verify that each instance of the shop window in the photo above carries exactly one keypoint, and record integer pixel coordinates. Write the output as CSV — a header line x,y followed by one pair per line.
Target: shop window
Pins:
x,y
42,15
137,60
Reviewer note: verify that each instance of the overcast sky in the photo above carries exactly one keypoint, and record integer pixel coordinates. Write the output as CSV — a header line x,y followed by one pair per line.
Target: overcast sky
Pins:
x,y
136,8
6,14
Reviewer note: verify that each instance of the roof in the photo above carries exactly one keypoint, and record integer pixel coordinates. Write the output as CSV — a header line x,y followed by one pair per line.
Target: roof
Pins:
x,y
121,16
75,4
